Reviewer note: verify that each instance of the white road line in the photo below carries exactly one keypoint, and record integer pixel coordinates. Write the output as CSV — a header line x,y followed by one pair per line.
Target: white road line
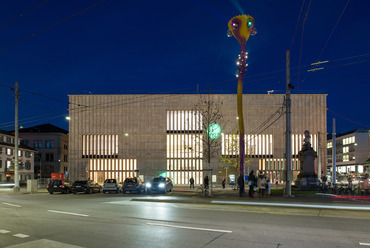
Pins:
x,y
61,212
20,235
294,205
365,244
12,205
4,231
193,228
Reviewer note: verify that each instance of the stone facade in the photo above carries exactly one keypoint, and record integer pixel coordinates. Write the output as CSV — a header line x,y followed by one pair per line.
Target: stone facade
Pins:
x,y
140,124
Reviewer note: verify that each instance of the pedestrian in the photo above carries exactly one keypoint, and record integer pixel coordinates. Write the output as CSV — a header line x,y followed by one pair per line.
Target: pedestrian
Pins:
x,y
268,187
365,187
252,180
241,184
277,184
206,182
191,182
223,183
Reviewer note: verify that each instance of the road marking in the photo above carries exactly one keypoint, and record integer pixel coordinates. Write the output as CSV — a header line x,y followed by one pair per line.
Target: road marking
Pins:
x,y
193,228
20,235
12,205
61,212
295,205
4,231
366,244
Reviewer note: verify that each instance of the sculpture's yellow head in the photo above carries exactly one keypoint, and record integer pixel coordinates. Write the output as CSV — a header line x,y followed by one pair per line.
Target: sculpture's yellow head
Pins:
x,y
241,27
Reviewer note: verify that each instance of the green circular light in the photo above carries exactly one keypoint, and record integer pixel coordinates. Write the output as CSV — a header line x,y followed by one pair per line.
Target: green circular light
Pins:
x,y
250,24
214,131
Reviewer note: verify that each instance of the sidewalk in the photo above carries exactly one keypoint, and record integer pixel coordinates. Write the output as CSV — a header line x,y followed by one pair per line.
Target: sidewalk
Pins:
x,y
229,196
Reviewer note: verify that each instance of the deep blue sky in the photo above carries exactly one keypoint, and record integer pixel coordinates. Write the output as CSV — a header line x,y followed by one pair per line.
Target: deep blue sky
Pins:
x,y
171,46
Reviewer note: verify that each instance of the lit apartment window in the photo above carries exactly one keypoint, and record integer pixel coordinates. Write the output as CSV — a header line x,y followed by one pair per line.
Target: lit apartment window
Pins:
x,y
345,149
9,151
345,158
329,145
37,144
49,143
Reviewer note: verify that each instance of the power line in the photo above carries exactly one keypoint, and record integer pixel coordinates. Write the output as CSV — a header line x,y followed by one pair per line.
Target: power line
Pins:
x,y
22,14
296,26
63,20
300,54
335,26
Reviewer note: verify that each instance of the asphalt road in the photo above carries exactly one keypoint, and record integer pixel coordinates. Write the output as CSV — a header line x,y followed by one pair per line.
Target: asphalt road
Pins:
x,y
98,220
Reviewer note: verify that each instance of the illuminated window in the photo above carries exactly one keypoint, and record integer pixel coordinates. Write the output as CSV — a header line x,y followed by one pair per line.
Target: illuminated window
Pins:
x,y
184,146
99,146
255,145
345,149
345,158
329,145
120,169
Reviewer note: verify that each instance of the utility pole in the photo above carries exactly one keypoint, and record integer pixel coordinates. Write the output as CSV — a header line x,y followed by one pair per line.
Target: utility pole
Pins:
x,y
334,157
319,157
288,133
16,163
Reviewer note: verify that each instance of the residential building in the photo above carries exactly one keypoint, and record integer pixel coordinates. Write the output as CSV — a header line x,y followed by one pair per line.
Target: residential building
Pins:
x,y
7,156
51,143
119,136
352,152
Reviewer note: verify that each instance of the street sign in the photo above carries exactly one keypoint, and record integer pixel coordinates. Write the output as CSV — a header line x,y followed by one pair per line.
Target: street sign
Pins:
x,y
66,173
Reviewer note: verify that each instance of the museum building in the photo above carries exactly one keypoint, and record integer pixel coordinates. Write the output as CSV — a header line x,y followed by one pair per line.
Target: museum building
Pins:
x,y
120,136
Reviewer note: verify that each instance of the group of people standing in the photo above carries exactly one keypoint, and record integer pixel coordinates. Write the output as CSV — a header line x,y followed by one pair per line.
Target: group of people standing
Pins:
x,y
261,183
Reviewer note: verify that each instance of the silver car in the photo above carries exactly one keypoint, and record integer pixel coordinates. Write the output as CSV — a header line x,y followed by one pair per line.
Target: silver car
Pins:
x,y
111,185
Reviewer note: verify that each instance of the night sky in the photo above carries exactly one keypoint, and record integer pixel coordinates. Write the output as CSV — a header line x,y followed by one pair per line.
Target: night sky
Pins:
x,y
179,46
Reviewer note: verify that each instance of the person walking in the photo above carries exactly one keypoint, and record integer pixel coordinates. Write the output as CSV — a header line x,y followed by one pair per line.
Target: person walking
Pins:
x,y
206,182
223,183
191,181
252,180
241,184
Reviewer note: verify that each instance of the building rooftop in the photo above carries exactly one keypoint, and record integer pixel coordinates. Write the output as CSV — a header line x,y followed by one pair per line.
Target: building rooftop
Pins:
x,y
45,128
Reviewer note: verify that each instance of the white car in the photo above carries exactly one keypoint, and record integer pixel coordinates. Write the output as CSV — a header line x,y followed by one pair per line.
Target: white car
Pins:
x,y
111,185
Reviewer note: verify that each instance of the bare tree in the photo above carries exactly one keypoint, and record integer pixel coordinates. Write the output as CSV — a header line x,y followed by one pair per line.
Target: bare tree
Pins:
x,y
210,116
231,158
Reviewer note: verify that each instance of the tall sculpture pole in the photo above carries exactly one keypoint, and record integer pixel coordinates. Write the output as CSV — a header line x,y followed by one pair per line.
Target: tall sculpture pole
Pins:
x,y
241,27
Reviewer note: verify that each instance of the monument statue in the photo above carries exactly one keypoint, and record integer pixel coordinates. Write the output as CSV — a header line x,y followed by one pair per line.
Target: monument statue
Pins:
x,y
307,178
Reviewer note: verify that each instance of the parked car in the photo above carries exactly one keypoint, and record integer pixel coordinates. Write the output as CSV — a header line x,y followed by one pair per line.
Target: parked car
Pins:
x,y
111,185
160,185
86,186
57,185
133,185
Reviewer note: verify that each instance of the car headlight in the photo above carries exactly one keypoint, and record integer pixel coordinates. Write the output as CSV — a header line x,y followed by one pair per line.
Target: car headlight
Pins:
x,y
161,185
148,185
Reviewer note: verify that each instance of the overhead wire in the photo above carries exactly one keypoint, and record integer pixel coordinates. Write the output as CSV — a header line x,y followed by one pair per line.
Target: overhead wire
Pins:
x,y
300,54
296,26
22,14
50,26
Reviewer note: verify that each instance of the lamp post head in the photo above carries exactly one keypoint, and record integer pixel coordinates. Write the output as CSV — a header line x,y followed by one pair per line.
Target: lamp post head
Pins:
x,y
241,27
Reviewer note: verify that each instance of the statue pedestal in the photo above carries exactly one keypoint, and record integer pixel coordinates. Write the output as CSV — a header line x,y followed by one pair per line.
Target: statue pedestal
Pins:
x,y
307,178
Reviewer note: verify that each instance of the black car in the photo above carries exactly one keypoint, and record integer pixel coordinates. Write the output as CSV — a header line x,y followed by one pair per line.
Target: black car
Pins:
x,y
86,186
57,185
133,185
160,185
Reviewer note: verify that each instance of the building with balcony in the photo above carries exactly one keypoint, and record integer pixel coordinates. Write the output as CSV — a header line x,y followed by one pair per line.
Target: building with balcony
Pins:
x,y
352,152
119,136
51,143
7,155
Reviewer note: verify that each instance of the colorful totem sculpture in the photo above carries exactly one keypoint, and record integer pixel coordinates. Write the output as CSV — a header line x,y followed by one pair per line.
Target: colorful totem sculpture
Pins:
x,y
241,27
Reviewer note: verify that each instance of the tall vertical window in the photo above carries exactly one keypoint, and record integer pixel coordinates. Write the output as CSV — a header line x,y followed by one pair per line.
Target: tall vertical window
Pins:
x,y
184,146
298,140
